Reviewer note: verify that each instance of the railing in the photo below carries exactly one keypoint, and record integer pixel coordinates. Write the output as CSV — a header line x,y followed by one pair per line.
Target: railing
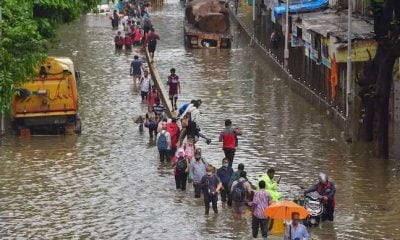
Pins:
x,y
297,84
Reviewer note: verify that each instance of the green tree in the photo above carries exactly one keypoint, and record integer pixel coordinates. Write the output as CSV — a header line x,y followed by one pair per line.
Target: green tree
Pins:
x,y
26,27
377,81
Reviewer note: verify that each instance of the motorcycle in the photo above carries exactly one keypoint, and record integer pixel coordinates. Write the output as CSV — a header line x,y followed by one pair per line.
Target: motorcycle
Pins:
x,y
312,202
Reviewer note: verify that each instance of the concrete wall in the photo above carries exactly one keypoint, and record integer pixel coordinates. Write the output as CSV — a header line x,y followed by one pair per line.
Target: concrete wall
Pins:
x,y
333,3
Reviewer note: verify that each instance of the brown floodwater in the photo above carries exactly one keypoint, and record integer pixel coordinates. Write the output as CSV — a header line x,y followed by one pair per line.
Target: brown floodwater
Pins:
x,y
108,183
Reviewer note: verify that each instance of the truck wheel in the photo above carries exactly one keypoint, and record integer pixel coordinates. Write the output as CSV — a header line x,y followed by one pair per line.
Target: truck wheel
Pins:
x,y
78,126
229,44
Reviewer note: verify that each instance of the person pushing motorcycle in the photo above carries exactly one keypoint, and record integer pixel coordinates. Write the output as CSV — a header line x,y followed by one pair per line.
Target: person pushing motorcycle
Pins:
x,y
327,191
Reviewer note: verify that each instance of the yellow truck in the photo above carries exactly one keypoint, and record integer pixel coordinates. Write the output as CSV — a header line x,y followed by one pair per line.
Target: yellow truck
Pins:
x,y
49,102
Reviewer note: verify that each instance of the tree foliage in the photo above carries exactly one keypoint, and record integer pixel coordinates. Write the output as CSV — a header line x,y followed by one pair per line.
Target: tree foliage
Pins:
x,y
26,27
377,81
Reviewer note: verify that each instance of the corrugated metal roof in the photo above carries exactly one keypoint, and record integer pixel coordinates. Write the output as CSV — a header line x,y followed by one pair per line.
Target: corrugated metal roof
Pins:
x,y
330,23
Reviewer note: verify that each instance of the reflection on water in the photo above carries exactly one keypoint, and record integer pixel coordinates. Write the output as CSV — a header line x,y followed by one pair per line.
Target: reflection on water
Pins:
x,y
108,183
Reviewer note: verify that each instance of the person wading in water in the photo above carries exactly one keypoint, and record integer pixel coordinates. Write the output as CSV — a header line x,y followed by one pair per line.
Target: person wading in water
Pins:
x,y
174,88
229,141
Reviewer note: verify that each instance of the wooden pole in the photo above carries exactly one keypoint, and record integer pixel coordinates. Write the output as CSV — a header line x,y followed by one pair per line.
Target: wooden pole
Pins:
x,y
159,84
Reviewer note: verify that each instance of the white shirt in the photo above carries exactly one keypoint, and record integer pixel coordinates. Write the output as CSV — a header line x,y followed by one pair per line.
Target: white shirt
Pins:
x,y
195,116
145,84
125,19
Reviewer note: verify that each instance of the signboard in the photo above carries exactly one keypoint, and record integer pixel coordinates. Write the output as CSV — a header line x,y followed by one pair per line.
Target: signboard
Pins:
x,y
294,30
325,53
310,50
314,54
307,49
359,51
273,17
296,42
306,36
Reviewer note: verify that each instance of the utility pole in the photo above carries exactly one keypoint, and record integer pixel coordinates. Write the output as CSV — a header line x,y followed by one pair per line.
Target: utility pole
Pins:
x,y
286,51
254,16
2,127
348,77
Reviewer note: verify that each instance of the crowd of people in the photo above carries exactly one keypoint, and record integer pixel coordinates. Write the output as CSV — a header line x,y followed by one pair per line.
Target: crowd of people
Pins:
x,y
134,27
176,138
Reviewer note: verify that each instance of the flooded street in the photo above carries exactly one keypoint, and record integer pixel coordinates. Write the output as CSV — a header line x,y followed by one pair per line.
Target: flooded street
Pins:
x,y
108,182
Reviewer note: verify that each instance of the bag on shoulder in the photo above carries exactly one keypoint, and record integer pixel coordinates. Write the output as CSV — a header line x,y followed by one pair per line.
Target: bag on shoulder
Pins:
x,y
153,41
181,165
239,192
147,23
162,143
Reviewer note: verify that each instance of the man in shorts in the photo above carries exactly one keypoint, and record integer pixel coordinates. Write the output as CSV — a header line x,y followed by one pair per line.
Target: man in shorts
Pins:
x,y
174,88
145,85
136,69
151,40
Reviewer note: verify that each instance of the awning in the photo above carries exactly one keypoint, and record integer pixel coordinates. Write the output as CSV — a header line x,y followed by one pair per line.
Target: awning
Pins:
x,y
300,7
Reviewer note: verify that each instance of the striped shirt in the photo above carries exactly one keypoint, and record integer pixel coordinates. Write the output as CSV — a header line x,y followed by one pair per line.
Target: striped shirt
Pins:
x,y
158,109
261,201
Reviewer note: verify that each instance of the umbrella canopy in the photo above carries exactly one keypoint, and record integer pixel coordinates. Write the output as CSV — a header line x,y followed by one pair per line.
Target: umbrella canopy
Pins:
x,y
283,210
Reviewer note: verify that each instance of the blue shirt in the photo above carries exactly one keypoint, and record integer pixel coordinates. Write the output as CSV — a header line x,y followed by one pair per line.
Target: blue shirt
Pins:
x,y
198,169
136,67
300,232
210,184
225,173
182,109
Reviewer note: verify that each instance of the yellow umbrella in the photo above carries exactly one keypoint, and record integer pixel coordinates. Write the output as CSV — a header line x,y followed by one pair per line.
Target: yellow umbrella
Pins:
x,y
283,210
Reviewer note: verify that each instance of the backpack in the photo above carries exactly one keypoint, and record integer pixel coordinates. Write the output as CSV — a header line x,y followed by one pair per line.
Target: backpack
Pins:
x,y
181,165
238,192
153,41
147,23
162,143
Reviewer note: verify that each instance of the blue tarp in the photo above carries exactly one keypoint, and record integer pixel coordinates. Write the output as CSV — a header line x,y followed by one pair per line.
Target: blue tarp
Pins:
x,y
306,6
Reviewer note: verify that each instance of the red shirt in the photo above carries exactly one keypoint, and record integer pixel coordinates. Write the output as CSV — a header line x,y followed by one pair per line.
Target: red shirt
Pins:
x,y
137,35
151,98
173,82
150,36
173,130
128,41
229,138
119,40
